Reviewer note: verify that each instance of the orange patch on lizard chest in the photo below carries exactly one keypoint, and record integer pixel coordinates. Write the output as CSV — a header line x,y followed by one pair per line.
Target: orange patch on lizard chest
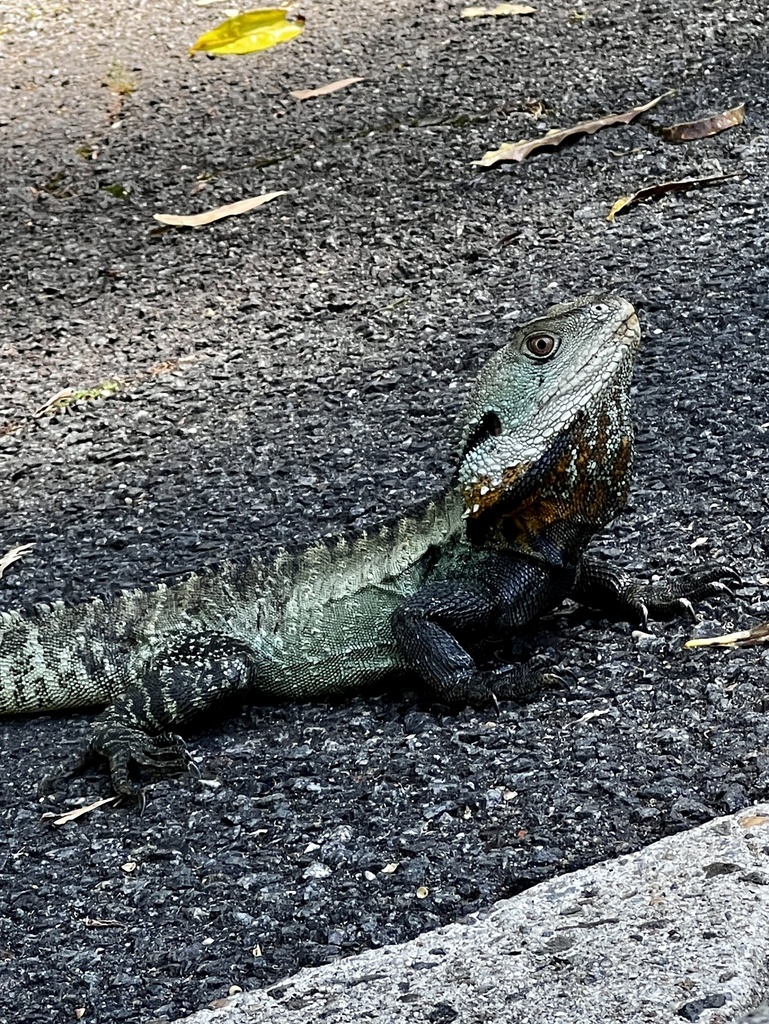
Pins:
x,y
484,493
575,486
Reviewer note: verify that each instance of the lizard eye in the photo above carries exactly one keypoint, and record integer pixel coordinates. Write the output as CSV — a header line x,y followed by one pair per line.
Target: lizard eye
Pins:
x,y
541,345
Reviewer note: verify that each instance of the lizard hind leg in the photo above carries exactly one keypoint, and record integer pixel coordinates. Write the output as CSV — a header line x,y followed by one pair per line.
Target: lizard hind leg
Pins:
x,y
184,680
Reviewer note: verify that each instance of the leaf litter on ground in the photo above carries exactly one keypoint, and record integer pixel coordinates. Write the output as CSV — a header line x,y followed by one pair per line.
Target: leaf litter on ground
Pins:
x,y
325,90
703,127
13,555
743,638
518,151
661,188
196,220
500,11
65,819
250,32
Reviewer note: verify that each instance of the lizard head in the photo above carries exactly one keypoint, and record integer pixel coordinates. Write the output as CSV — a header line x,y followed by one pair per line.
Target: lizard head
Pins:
x,y
549,413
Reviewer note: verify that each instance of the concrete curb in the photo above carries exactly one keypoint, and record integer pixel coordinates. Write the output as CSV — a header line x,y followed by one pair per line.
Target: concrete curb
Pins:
x,y
676,932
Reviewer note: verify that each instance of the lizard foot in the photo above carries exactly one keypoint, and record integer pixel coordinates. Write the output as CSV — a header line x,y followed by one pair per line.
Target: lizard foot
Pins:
x,y
601,586
127,750
675,597
514,682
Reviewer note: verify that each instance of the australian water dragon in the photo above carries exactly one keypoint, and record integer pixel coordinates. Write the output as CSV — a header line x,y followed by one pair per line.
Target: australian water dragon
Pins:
x,y
546,457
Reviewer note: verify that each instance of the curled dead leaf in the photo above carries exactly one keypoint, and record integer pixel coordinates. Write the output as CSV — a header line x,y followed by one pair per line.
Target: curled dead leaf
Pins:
x,y
702,128
743,638
249,32
197,220
518,151
63,819
661,188
588,717
13,555
324,90
500,11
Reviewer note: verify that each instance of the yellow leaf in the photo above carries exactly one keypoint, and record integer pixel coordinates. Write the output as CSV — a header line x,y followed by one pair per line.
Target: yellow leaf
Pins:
x,y
251,31
197,220
13,555
620,204
744,638
80,811
705,126
662,188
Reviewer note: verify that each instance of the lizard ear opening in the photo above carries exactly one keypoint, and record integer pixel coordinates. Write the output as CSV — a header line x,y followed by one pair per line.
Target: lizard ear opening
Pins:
x,y
489,425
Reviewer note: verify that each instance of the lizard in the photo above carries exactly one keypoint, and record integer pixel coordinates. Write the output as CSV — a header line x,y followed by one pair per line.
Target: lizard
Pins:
x,y
545,463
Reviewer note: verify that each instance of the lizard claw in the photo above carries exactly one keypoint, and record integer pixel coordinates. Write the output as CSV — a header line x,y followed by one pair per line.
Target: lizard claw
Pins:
x,y
723,588
643,611
553,681
686,605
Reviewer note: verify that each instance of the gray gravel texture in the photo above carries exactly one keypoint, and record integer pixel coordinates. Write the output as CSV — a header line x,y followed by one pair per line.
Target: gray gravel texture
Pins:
x,y
297,372
676,932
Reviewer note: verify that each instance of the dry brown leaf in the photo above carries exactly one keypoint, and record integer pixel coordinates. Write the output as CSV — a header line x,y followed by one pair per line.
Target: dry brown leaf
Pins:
x,y
662,188
744,638
63,819
500,11
588,717
64,393
752,820
520,150
197,220
324,90
13,555
712,124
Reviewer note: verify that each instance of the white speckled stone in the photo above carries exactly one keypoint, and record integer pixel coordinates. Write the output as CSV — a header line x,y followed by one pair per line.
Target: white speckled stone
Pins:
x,y
679,931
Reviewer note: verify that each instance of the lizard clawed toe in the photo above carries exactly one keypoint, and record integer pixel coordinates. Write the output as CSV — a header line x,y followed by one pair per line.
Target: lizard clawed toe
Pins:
x,y
643,610
719,587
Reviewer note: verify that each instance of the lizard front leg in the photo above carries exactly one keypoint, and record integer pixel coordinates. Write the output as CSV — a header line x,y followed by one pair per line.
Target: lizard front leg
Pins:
x,y
614,592
436,628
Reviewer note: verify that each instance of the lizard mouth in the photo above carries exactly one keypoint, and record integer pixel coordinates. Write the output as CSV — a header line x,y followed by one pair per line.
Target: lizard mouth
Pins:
x,y
631,325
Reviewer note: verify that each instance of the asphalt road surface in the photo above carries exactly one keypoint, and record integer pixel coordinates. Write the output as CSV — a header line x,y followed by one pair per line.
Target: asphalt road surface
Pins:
x,y
297,372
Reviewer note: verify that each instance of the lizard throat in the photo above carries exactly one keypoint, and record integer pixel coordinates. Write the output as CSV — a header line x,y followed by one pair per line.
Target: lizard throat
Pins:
x,y
575,486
